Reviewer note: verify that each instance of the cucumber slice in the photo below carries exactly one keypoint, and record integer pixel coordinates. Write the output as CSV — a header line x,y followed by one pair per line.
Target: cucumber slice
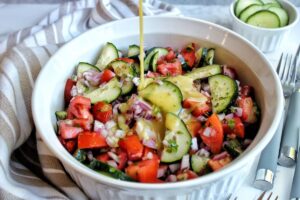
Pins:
x,y
234,148
108,92
166,96
61,115
122,123
161,52
153,62
224,91
127,86
178,138
274,3
240,5
198,163
108,170
204,72
200,56
282,14
122,69
133,51
108,53
209,59
83,67
265,19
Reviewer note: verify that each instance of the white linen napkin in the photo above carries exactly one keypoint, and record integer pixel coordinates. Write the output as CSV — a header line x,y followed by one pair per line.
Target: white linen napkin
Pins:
x,y
28,170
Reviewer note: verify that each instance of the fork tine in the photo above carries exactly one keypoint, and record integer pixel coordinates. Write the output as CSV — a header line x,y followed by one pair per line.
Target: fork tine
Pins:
x,y
261,196
276,198
279,65
290,70
295,62
285,69
270,196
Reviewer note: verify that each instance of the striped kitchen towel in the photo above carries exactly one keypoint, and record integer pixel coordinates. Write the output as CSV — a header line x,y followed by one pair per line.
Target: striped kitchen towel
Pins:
x,y
28,170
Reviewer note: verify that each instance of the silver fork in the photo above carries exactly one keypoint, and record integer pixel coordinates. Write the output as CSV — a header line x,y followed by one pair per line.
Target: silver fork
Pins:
x,y
287,72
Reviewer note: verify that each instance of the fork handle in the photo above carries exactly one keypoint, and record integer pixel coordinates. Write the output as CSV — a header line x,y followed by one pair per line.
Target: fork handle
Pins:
x,y
295,192
288,149
267,164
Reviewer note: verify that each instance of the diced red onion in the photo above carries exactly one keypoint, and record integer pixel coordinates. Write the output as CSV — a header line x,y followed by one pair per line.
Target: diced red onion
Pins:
x,y
113,156
207,131
205,93
112,163
90,155
221,116
185,162
220,156
120,133
174,167
201,118
229,116
150,143
205,87
116,109
144,105
238,111
98,126
93,77
228,71
136,81
203,152
171,178
110,124
162,171
194,145
74,91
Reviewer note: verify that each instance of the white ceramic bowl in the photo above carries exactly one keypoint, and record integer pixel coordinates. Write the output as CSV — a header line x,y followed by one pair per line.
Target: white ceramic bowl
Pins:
x,y
266,39
252,68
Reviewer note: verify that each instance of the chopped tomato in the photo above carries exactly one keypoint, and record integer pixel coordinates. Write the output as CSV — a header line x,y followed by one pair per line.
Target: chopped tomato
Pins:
x,y
186,175
152,74
149,150
132,171
147,172
79,108
70,145
68,87
67,131
103,157
234,126
83,123
170,56
122,155
214,137
87,140
188,54
197,108
106,76
102,111
128,60
133,146
249,110
193,126
216,165
170,68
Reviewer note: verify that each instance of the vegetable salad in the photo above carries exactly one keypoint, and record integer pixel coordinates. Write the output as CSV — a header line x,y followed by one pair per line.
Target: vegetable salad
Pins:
x,y
190,116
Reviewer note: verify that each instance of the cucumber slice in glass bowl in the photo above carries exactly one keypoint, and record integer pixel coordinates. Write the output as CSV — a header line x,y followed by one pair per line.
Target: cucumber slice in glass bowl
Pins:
x,y
265,19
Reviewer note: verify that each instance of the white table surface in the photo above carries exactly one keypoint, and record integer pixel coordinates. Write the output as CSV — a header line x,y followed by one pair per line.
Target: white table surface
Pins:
x,y
16,16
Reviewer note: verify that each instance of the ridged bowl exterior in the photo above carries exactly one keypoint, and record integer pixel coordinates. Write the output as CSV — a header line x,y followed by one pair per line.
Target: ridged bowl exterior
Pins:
x,y
267,40
231,49
219,190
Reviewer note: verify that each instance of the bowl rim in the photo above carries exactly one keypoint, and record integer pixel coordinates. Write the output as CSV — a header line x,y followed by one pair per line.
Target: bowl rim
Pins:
x,y
290,25
235,165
